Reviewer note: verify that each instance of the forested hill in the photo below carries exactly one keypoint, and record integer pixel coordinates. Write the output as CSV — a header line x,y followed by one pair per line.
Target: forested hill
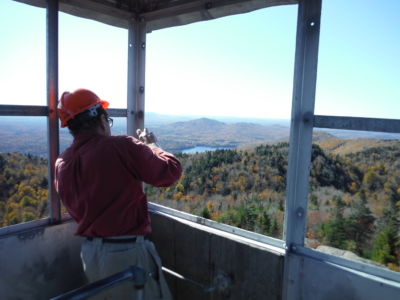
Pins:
x,y
23,188
338,146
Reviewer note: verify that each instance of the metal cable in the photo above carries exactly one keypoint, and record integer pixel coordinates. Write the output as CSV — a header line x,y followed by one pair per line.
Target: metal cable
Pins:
x,y
222,281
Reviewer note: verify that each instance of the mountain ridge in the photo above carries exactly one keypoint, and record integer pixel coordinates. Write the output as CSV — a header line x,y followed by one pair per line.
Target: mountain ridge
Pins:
x,y
31,137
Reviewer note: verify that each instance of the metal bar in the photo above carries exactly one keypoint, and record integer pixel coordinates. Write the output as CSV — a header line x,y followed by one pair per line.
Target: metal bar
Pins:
x,y
23,110
21,227
136,76
357,123
52,97
31,225
304,85
302,120
137,274
347,263
117,112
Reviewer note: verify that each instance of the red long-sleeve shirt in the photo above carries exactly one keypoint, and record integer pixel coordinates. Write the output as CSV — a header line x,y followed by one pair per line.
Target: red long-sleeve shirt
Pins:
x,y
99,179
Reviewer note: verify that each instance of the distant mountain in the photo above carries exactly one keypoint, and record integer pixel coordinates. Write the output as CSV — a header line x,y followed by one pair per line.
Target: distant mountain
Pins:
x,y
212,133
155,119
202,125
319,136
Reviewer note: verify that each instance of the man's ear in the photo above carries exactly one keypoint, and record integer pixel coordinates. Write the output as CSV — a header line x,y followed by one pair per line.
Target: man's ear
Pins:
x,y
103,122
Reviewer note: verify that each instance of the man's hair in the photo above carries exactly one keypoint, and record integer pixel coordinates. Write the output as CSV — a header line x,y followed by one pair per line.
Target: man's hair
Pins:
x,y
86,122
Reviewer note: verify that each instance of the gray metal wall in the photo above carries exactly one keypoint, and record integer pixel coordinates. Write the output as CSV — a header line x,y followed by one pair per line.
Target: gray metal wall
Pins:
x,y
202,255
40,263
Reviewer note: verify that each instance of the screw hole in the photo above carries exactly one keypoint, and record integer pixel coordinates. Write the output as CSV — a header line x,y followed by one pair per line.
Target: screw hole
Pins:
x,y
312,23
208,5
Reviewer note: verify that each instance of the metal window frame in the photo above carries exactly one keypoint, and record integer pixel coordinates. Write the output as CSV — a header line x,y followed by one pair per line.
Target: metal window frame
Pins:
x,y
300,142
303,121
52,102
136,75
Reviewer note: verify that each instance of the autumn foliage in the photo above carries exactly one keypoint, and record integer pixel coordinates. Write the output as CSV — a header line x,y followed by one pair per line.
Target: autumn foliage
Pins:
x,y
353,202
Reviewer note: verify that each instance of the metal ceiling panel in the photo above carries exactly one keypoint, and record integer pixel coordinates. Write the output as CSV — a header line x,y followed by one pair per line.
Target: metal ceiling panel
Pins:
x,y
157,14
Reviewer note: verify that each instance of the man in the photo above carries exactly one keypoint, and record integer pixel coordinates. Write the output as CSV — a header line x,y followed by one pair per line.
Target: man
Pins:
x,y
99,179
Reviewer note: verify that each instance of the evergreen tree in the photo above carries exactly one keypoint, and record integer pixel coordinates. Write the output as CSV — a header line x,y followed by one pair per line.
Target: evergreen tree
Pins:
x,y
386,245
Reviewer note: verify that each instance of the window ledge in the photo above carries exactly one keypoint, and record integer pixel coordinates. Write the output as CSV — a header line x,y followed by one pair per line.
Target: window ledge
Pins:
x,y
234,233
35,224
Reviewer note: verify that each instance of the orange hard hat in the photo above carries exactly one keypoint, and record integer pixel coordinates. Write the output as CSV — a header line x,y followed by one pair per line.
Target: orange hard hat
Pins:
x,y
72,104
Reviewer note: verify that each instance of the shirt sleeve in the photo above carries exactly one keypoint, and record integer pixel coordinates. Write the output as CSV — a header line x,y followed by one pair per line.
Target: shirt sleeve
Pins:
x,y
151,165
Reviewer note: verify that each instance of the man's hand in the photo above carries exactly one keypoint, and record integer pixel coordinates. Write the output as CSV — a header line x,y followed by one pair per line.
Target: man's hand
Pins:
x,y
146,137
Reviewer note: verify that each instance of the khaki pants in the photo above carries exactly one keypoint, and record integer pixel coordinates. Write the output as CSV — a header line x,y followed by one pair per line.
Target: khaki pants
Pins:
x,y
104,259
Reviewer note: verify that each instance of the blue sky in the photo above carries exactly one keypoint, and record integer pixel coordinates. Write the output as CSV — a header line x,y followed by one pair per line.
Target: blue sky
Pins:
x,y
234,66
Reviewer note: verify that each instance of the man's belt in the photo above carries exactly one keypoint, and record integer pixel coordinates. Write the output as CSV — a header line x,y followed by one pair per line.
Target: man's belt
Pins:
x,y
115,240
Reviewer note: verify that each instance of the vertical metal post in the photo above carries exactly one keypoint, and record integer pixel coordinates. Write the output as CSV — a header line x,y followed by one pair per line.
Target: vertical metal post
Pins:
x,y
136,76
304,84
52,95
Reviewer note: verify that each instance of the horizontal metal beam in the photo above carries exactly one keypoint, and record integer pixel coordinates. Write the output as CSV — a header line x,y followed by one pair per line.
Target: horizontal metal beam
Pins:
x,y
357,123
21,227
30,225
23,110
34,110
117,112
347,263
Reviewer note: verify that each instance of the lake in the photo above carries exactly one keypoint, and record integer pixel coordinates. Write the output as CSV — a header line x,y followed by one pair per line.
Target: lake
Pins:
x,y
200,149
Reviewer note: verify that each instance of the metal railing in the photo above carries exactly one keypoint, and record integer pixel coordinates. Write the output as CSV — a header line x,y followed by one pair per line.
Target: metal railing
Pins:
x,y
222,283
134,273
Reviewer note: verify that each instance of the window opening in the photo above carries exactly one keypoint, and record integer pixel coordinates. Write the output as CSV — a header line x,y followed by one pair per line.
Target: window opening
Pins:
x,y
93,55
353,199
358,65
23,151
22,54
224,103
